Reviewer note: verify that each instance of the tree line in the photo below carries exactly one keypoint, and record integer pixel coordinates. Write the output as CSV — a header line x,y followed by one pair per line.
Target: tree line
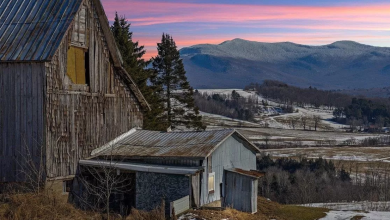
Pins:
x,y
361,112
291,181
160,83
292,95
232,105
365,113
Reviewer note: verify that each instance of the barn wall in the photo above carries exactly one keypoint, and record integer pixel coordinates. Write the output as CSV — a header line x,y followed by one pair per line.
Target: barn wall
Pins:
x,y
232,153
21,117
81,118
151,188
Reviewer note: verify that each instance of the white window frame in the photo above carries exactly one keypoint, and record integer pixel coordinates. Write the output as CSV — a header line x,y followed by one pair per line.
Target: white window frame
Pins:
x,y
208,181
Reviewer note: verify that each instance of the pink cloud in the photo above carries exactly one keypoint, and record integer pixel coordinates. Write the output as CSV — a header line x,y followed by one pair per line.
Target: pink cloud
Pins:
x,y
142,13
366,23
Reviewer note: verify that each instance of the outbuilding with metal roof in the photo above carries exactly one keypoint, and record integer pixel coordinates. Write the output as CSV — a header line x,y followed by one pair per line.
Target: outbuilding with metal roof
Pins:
x,y
181,167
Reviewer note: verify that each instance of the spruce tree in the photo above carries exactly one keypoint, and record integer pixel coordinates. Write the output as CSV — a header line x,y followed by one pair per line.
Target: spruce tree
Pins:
x,y
176,94
136,66
131,53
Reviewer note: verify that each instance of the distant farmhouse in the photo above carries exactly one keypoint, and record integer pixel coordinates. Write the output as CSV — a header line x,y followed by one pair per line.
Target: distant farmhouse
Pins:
x,y
192,168
63,90
67,103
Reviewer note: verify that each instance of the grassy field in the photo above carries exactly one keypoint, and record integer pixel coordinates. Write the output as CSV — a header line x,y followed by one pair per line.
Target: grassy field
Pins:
x,y
266,210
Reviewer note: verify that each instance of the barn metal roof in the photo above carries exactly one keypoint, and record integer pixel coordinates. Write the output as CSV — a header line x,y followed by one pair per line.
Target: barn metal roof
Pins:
x,y
32,30
142,143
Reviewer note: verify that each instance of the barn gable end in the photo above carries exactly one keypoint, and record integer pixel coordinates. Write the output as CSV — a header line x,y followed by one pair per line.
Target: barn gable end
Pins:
x,y
93,113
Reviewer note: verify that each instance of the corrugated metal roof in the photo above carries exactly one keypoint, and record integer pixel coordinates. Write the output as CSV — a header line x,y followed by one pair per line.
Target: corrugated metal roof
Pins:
x,y
142,143
141,167
32,30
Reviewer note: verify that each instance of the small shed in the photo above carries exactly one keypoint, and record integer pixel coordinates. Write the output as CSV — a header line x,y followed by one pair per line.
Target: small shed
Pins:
x,y
179,166
241,189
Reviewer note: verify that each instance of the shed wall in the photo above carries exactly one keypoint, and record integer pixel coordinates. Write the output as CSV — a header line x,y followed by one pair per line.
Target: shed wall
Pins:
x,y
232,153
21,117
151,188
81,118
239,192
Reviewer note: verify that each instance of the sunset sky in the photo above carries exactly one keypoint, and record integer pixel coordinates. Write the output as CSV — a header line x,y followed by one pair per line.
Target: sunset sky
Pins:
x,y
313,22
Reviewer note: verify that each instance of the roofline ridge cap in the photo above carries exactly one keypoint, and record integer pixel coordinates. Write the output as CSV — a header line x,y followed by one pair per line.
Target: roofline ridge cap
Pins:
x,y
113,142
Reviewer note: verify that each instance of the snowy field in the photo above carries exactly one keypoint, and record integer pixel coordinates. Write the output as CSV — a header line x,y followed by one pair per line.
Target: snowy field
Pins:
x,y
281,121
351,215
360,154
366,210
277,129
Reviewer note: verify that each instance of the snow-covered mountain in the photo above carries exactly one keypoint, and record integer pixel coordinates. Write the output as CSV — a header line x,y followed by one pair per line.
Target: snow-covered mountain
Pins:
x,y
236,63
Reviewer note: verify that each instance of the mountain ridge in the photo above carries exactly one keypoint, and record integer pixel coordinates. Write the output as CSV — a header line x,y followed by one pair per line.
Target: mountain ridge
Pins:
x,y
236,63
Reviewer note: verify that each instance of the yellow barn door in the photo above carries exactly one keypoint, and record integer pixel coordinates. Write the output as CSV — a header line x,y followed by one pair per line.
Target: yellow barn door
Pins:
x,y
76,65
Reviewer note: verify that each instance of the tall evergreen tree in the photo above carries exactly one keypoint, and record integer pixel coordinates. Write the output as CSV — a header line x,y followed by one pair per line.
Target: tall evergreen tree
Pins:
x,y
132,54
176,94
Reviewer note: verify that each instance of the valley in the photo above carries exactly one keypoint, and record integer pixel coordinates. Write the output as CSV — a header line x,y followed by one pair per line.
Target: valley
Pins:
x,y
274,134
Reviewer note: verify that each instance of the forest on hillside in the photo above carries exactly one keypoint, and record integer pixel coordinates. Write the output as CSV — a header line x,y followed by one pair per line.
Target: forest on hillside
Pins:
x,y
363,112
291,181
232,106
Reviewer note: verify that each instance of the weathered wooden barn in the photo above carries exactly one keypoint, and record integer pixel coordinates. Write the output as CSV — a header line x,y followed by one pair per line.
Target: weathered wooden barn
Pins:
x,y
63,90
187,169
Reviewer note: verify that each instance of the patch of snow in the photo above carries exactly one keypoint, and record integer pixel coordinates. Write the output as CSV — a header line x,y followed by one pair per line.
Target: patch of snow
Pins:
x,y
189,216
344,215
353,206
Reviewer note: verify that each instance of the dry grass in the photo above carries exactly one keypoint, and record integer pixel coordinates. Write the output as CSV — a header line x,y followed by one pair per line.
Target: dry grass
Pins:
x,y
289,212
156,214
357,217
49,206
266,210
40,207
46,206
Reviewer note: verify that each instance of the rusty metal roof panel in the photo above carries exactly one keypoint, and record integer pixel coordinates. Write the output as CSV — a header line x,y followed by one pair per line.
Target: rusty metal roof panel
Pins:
x,y
142,143
32,30
250,173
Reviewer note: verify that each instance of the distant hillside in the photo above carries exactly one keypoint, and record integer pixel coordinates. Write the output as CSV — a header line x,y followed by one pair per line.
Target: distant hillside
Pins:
x,y
236,63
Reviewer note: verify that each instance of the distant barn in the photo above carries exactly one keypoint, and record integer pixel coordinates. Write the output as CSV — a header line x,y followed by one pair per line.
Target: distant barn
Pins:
x,y
63,90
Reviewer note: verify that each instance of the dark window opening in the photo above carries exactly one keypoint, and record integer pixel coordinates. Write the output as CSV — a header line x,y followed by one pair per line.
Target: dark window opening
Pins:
x,y
87,73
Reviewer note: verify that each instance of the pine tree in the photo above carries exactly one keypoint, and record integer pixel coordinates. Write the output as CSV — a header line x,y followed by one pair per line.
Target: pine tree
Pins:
x,y
136,66
176,94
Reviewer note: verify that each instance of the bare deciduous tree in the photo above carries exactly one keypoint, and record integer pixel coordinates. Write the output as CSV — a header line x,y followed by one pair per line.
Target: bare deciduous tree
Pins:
x,y
32,167
316,121
101,181
293,122
304,120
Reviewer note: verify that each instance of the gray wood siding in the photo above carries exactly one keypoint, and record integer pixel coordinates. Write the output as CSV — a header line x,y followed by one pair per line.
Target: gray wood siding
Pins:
x,y
240,193
80,118
21,117
230,154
